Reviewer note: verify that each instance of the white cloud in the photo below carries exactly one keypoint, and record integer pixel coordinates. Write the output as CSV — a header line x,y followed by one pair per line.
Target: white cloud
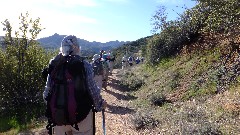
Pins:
x,y
42,8
55,20
56,17
63,23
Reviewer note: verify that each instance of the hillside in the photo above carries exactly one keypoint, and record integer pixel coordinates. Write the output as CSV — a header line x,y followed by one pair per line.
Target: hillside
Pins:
x,y
188,93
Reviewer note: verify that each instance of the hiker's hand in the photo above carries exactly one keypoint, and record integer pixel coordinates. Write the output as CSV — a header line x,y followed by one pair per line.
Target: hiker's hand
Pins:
x,y
104,104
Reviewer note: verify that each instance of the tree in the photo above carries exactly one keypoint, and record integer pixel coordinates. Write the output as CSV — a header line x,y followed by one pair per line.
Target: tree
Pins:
x,y
22,63
222,16
159,19
208,16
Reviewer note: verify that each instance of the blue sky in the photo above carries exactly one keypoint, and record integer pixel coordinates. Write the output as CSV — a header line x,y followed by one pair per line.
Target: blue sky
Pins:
x,y
92,20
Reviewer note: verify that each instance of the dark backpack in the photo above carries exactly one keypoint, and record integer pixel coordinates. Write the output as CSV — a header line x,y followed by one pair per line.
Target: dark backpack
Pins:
x,y
97,67
130,59
68,101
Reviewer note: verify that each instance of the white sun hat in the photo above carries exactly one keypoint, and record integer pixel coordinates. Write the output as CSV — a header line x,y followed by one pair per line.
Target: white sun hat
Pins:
x,y
95,57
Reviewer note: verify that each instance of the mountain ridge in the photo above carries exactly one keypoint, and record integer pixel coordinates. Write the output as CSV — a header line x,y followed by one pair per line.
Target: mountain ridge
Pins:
x,y
54,42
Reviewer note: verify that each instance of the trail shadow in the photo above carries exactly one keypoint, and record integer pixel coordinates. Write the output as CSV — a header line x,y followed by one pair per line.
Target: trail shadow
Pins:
x,y
119,110
116,84
121,96
28,132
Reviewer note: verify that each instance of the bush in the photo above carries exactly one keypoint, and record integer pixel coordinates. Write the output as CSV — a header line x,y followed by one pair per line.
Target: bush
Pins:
x,y
208,16
21,64
159,100
144,121
131,81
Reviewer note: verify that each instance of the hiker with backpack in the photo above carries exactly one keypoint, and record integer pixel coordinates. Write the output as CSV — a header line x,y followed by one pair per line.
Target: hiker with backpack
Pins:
x,y
111,61
105,70
97,65
130,61
124,62
137,60
71,93
101,53
142,59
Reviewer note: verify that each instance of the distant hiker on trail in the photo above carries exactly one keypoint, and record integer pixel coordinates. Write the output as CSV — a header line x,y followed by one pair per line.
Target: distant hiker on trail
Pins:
x,y
130,61
71,92
124,62
142,59
111,61
101,53
137,60
105,70
97,65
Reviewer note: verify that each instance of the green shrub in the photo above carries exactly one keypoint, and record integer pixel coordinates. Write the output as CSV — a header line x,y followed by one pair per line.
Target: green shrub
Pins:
x,y
21,64
144,121
6,124
131,81
159,100
207,16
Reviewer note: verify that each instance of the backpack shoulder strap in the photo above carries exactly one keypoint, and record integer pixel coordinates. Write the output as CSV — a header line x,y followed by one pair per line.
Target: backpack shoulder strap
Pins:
x,y
55,62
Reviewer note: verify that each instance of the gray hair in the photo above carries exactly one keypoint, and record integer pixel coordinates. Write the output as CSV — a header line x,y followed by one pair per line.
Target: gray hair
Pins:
x,y
70,46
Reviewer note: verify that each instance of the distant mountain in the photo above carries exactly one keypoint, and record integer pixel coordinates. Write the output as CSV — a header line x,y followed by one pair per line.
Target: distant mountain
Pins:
x,y
87,48
54,42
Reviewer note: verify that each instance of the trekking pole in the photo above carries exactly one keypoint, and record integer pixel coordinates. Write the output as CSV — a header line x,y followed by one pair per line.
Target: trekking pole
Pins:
x,y
103,124
94,125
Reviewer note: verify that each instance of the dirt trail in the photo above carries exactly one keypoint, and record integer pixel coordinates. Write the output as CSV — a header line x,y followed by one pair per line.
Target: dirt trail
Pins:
x,y
117,114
